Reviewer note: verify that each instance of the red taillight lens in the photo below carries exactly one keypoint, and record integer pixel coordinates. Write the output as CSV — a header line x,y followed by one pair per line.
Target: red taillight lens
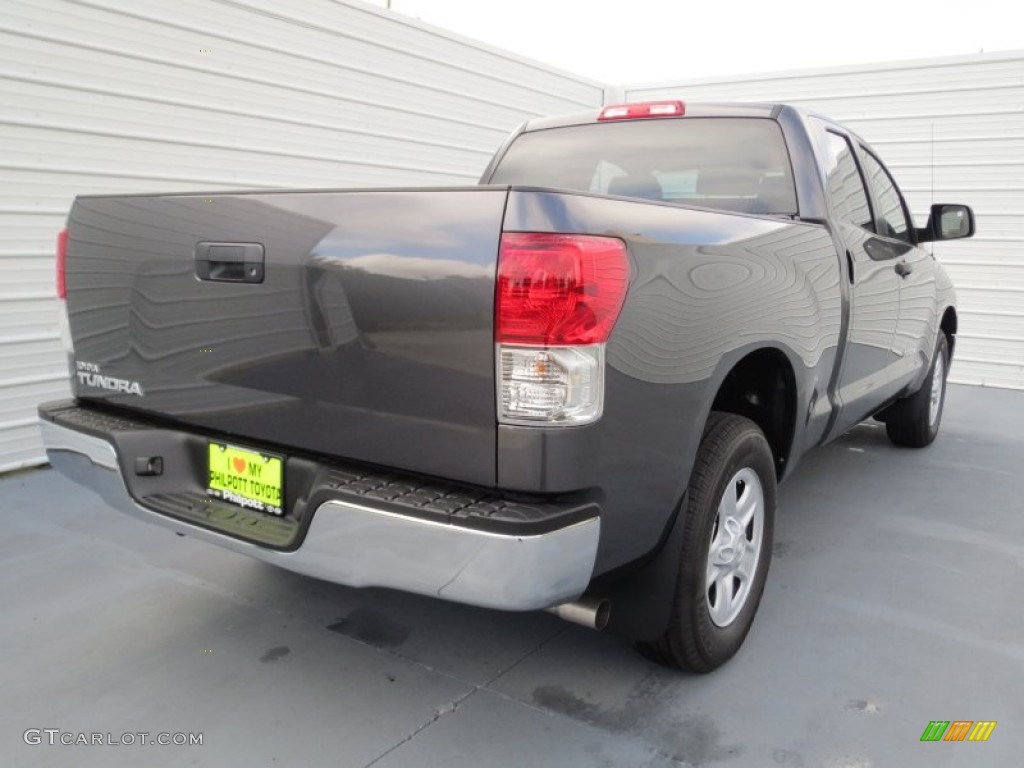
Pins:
x,y
643,109
559,289
62,259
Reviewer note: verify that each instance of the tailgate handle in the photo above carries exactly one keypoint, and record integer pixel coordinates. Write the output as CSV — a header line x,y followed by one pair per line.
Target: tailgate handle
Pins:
x,y
229,262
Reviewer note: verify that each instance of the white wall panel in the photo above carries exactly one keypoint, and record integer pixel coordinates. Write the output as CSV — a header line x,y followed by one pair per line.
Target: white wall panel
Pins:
x,y
951,130
122,96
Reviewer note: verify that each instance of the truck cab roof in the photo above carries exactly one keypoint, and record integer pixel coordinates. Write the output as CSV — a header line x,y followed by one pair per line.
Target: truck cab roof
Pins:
x,y
693,109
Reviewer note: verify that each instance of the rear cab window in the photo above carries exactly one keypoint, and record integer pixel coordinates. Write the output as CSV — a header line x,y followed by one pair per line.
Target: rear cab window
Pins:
x,y
737,164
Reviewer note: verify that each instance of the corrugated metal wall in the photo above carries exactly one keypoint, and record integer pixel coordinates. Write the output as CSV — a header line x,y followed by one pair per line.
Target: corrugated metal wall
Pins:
x,y
950,130
98,96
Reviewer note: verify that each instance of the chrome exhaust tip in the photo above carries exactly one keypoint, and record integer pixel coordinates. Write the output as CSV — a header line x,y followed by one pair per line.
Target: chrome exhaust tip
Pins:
x,y
589,612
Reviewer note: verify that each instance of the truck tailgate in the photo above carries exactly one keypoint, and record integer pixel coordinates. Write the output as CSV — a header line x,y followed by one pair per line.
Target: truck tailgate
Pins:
x,y
357,324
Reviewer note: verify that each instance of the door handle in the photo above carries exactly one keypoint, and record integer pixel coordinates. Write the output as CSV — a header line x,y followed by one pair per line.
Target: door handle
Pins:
x,y
229,262
903,269
849,264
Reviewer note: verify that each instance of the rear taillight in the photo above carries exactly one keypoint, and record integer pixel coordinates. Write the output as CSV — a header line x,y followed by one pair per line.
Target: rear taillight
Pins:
x,y
62,259
559,289
558,297
62,294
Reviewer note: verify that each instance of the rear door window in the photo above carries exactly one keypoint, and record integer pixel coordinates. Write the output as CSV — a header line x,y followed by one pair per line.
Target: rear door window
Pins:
x,y
891,211
844,183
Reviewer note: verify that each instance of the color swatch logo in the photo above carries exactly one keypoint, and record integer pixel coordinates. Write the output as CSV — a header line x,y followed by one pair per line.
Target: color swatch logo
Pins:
x,y
958,730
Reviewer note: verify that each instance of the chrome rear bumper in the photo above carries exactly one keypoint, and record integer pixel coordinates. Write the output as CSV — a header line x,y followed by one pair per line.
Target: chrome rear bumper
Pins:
x,y
359,546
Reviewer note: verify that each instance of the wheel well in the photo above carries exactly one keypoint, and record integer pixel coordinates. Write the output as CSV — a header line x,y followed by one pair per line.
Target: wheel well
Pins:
x,y
948,326
762,388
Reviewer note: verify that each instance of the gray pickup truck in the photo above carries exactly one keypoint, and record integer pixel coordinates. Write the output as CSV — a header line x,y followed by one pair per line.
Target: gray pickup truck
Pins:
x,y
573,387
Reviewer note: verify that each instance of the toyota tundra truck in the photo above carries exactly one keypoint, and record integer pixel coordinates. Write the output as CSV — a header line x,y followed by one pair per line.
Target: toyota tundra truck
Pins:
x,y
573,387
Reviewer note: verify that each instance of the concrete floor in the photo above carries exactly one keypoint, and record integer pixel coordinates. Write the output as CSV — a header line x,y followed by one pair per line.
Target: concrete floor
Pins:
x,y
894,599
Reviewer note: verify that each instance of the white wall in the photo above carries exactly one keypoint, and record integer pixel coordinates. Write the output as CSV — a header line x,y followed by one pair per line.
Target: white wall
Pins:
x,y
950,130
100,96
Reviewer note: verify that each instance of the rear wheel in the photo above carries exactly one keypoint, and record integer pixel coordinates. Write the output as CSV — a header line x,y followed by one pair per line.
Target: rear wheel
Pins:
x,y
914,421
729,522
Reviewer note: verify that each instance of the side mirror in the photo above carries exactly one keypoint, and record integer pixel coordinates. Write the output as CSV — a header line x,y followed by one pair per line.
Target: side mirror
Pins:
x,y
947,222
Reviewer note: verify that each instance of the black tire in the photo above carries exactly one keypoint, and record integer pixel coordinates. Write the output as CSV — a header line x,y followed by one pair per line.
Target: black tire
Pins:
x,y
911,422
694,641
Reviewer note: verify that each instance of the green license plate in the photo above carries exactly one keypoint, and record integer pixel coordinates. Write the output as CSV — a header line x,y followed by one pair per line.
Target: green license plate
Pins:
x,y
247,478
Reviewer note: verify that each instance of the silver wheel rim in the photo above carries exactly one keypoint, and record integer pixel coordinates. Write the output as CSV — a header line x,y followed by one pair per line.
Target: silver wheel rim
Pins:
x,y
938,389
735,549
